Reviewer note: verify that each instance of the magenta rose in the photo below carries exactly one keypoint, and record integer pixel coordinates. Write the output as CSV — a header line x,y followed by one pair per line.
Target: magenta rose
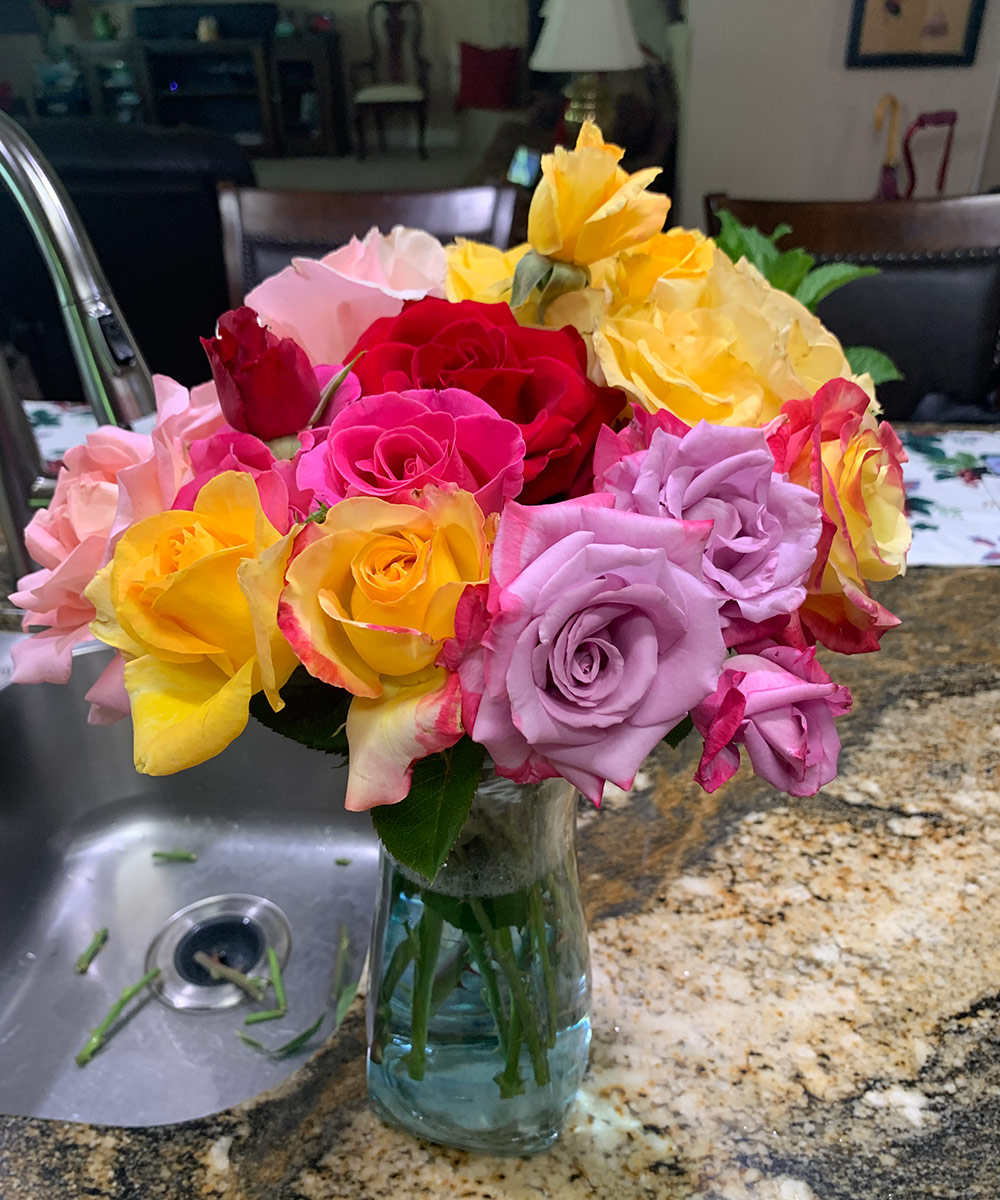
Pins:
x,y
389,445
266,384
781,705
595,636
280,497
764,529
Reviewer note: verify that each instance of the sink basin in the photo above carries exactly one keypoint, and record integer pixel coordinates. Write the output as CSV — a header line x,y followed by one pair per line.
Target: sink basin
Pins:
x,y
78,828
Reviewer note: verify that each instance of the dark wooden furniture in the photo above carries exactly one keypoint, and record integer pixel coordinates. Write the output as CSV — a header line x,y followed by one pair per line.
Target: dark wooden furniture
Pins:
x,y
223,85
263,230
311,110
117,80
851,227
397,70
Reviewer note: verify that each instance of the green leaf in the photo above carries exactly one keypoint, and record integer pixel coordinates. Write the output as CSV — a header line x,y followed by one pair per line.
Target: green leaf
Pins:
x,y
315,713
420,830
529,273
345,999
826,279
297,1043
865,360
790,269
746,241
679,732
565,277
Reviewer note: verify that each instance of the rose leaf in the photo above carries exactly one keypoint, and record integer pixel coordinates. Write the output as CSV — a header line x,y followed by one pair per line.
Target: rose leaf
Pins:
x,y
315,714
419,831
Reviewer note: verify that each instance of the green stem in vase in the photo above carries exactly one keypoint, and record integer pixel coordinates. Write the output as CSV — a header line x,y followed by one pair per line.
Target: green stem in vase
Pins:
x,y
503,951
448,978
536,917
510,1080
429,938
401,958
491,989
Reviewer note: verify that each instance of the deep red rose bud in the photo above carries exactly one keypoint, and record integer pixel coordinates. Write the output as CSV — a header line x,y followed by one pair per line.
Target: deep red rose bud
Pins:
x,y
265,383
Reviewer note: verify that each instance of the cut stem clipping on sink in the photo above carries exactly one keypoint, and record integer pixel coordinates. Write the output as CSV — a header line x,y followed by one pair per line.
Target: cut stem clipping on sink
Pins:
x,y
97,944
250,984
99,1035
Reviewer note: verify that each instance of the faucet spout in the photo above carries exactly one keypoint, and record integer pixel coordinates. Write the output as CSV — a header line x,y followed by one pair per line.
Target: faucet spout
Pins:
x,y
114,375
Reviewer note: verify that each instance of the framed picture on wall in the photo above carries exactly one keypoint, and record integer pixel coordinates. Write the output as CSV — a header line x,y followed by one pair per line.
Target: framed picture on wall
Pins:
x,y
914,33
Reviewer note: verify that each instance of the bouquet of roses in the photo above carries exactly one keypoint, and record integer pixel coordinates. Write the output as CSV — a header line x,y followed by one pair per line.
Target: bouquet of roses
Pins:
x,y
551,504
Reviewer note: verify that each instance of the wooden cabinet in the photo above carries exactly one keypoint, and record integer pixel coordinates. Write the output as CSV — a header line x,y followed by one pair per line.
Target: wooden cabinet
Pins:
x,y
310,104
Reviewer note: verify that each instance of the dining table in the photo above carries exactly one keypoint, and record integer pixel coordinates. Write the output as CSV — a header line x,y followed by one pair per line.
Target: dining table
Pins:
x,y
793,998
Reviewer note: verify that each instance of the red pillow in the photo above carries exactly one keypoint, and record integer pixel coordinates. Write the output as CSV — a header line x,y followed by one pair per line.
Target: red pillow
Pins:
x,y
489,77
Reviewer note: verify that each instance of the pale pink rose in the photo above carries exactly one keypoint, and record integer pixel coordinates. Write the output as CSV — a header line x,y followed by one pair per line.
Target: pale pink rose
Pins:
x,y
182,417
108,698
781,705
764,529
69,539
390,445
595,638
326,304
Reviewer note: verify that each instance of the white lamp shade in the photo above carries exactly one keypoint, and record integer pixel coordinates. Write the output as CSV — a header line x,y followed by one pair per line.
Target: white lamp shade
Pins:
x,y
587,35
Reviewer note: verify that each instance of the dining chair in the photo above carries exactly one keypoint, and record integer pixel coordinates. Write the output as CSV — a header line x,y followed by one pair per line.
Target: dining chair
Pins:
x,y
397,71
262,231
934,306
845,228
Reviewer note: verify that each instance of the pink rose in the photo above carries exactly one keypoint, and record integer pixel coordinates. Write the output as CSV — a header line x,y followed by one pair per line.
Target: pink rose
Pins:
x,y
182,417
327,304
781,705
764,529
595,637
282,500
392,444
69,539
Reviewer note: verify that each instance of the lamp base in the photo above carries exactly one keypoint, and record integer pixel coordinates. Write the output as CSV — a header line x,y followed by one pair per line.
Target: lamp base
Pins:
x,y
588,98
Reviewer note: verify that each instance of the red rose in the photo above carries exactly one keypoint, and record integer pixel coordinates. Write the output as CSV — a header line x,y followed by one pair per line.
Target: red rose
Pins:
x,y
536,378
265,383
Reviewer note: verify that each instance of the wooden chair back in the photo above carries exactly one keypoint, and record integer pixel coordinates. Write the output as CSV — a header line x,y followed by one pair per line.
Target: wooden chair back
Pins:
x,y
395,35
831,228
262,231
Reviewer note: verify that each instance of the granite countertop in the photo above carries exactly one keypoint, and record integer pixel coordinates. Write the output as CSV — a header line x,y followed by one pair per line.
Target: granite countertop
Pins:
x,y
793,999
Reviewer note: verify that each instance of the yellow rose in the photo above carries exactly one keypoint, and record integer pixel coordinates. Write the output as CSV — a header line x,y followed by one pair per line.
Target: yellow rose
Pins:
x,y
586,207
480,272
683,256
370,599
198,645
725,347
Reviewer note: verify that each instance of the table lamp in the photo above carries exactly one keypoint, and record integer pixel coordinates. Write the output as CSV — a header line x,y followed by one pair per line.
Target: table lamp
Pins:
x,y
587,38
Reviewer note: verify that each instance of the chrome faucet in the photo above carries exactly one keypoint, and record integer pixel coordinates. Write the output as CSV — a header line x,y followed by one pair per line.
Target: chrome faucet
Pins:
x,y
113,373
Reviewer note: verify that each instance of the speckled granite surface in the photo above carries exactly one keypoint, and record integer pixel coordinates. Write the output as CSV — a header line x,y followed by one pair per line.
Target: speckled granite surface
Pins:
x,y
794,1000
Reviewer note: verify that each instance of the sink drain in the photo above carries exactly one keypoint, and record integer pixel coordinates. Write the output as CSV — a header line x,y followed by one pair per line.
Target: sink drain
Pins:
x,y
235,929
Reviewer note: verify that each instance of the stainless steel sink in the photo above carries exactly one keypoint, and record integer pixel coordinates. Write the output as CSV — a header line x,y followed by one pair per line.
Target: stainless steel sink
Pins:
x,y
78,828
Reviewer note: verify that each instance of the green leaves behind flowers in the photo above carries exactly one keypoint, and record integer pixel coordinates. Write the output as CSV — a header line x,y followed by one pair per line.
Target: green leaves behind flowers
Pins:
x,y
793,271
315,714
866,359
419,831
550,277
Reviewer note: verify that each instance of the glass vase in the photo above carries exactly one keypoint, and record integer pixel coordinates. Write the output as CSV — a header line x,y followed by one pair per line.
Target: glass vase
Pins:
x,y
479,984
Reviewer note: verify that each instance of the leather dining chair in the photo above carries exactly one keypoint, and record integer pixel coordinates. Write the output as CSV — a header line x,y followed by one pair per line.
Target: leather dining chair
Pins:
x,y
262,231
934,306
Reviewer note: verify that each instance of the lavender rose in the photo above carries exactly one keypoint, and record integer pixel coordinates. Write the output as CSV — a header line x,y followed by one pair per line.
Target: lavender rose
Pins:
x,y
781,705
764,530
595,636
389,445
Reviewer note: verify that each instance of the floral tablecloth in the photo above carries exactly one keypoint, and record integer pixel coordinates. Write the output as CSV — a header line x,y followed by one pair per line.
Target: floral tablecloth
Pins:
x,y
952,484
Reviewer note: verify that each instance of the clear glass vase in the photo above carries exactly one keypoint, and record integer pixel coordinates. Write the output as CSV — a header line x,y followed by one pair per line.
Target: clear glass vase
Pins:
x,y
479,985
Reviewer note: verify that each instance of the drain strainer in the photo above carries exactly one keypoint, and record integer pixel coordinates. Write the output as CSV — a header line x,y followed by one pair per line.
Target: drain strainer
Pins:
x,y
235,929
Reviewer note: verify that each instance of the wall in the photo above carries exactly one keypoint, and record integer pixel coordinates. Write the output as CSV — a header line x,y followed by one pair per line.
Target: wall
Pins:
x,y
771,111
